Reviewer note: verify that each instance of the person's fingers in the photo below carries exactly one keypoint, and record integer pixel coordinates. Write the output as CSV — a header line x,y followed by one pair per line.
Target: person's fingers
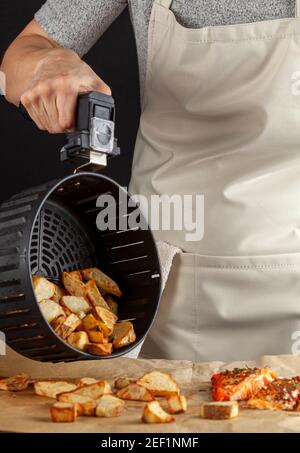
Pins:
x,y
66,104
29,101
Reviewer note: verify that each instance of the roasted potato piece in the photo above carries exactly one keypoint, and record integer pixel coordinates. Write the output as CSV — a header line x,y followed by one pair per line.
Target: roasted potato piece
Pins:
x,y
76,304
63,412
159,384
154,413
59,293
122,382
107,318
123,334
76,274
95,336
50,310
135,392
52,388
100,349
86,381
109,406
68,327
94,295
74,286
84,404
219,410
43,289
95,390
15,383
58,322
103,281
112,304
90,322
78,340
176,404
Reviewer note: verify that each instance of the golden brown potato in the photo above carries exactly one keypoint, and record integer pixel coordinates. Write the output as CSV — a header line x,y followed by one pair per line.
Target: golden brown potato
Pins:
x,y
74,286
43,289
76,274
107,318
50,310
100,349
78,340
95,390
51,389
58,322
154,413
160,384
95,296
135,392
122,382
90,322
103,281
219,410
176,403
112,304
109,406
82,382
59,293
69,326
123,334
76,304
15,383
84,404
95,336
63,412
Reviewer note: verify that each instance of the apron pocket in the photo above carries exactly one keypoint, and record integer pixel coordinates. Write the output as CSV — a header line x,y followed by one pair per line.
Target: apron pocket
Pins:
x,y
247,306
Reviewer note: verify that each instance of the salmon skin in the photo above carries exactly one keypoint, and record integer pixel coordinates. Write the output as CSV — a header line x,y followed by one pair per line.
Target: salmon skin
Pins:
x,y
281,394
240,383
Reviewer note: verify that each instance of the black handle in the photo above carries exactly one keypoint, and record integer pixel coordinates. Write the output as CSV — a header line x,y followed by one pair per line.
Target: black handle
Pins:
x,y
89,105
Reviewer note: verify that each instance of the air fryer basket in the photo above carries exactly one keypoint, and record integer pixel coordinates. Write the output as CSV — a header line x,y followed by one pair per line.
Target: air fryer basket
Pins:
x,y
51,229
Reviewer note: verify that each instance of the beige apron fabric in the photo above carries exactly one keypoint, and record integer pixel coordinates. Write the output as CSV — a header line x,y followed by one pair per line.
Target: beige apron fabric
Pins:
x,y
220,119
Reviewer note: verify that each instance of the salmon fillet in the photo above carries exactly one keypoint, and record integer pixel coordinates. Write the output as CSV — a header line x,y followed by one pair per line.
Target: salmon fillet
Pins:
x,y
240,383
281,394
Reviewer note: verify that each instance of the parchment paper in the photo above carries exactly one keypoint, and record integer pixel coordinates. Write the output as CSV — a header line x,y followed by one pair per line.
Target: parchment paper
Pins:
x,y
25,412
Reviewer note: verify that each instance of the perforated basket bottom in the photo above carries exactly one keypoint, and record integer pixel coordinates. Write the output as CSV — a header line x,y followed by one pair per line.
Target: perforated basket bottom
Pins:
x,y
60,242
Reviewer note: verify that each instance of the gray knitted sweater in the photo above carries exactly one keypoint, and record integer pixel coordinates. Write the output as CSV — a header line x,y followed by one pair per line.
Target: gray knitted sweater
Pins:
x,y
78,24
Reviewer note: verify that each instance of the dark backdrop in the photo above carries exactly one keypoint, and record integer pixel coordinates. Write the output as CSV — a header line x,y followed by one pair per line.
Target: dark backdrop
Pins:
x,y
28,156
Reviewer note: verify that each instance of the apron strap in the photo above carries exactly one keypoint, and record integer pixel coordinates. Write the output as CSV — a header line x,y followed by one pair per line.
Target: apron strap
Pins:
x,y
167,3
297,8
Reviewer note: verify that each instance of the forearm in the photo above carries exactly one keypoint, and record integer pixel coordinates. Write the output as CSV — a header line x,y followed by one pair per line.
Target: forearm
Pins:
x,y
20,62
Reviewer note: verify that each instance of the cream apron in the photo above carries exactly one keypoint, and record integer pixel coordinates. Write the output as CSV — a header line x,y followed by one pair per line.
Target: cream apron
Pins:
x,y
221,117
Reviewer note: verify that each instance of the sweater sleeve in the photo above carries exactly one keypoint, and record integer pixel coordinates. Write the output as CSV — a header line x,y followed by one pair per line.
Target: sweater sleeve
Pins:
x,y
78,24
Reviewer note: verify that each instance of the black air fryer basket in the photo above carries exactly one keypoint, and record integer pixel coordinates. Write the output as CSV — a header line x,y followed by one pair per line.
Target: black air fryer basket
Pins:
x,y
51,229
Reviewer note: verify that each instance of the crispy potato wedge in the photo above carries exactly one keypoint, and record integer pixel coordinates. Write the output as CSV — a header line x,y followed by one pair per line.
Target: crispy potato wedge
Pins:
x,y
90,322
78,340
58,322
95,336
94,295
43,289
122,382
50,310
109,406
95,390
135,392
176,404
82,382
107,318
76,274
63,412
103,281
100,349
84,404
74,286
160,384
112,304
16,383
76,304
123,334
154,413
52,388
219,410
68,327
59,293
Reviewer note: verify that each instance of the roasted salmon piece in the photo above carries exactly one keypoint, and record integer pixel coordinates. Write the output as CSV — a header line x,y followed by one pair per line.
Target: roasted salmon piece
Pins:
x,y
240,383
281,394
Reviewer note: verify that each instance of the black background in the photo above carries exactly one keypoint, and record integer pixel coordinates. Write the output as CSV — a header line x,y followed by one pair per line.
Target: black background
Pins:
x,y
28,156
